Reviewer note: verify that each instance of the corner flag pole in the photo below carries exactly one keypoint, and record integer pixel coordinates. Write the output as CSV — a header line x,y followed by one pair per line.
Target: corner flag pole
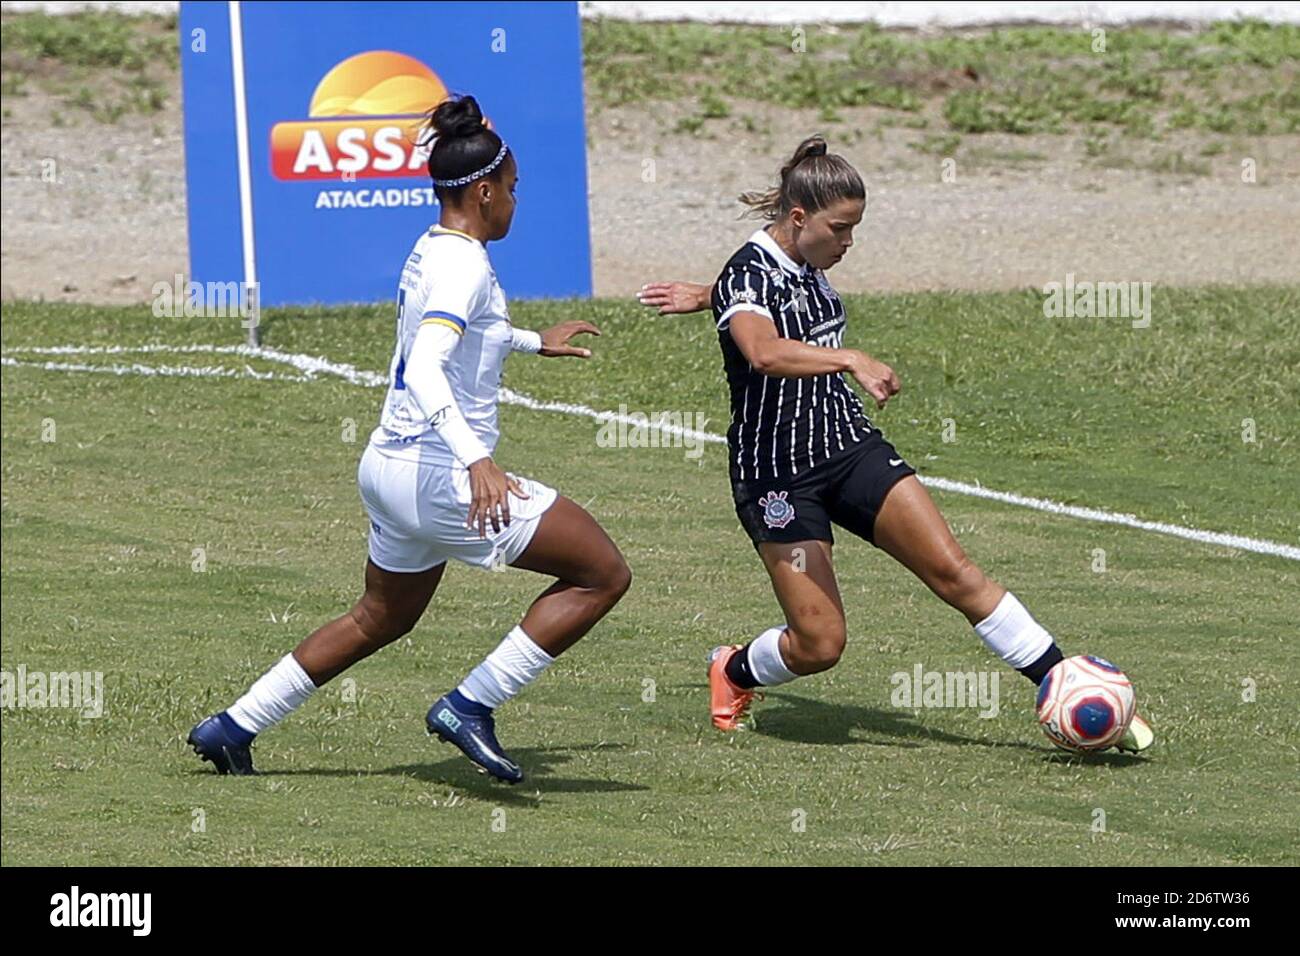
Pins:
x,y
253,321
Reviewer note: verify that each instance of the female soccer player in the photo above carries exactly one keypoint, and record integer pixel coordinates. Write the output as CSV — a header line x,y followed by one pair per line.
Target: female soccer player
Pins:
x,y
804,456
432,488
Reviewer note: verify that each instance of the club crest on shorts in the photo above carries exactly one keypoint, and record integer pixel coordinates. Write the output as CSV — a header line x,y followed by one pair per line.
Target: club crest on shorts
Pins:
x,y
777,512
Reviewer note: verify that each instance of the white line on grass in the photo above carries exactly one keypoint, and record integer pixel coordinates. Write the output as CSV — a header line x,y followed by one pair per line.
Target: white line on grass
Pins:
x,y
312,366
158,371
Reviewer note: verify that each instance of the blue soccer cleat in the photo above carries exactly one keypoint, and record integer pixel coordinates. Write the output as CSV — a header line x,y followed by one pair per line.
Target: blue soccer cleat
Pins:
x,y
475,736
213,740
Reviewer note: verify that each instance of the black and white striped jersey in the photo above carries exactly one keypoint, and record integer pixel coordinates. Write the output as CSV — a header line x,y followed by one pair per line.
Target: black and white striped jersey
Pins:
x,y
781,427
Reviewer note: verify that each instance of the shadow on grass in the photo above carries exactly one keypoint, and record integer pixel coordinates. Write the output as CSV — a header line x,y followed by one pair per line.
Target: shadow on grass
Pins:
x,y
539,764
805,720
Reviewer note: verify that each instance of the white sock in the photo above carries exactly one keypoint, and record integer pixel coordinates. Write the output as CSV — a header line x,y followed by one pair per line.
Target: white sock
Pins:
x,y
273,697
1012,633
765,661
515,664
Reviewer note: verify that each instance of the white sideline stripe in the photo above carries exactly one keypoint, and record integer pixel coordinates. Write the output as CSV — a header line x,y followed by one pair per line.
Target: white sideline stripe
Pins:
x,y
313,366
161,371
960,487
309,365
566,408
1257,545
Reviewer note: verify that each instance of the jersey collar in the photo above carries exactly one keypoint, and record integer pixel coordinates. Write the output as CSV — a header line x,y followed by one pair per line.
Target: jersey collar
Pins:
x,y
438,229
763,239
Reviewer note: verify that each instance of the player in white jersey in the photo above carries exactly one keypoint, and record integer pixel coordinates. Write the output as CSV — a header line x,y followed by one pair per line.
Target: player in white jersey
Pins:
x,y
440,414
431,486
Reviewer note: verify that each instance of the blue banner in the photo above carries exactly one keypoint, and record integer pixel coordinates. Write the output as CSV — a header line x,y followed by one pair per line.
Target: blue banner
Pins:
x,y
323,191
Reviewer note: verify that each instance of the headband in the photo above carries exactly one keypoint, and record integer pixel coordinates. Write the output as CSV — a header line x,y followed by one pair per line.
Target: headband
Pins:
x,y
478,174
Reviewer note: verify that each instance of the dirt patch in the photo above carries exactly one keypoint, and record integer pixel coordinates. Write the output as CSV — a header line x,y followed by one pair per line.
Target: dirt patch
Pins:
x,y
1021,211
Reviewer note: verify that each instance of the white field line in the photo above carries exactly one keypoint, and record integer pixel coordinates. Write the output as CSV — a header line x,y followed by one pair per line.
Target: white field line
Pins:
x,y
311,367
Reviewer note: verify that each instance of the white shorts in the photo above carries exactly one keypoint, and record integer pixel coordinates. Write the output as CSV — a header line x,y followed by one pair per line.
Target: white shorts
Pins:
x,y
418,511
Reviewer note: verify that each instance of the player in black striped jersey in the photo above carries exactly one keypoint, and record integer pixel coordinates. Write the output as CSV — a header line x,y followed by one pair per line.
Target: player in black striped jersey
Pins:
x,y
784,425
803,455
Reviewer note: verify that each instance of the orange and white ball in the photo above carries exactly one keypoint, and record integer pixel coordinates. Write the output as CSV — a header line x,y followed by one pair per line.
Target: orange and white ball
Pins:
x,y
1085,704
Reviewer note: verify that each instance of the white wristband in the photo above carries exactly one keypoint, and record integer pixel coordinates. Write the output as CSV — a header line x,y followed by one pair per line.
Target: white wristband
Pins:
x,y
525,340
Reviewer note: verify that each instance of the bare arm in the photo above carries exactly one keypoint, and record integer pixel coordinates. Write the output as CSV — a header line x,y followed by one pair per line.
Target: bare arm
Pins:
x,y
675,298
555,340
755,335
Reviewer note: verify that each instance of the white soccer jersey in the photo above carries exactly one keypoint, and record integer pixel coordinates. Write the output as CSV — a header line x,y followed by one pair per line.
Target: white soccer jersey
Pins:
x,y
448,280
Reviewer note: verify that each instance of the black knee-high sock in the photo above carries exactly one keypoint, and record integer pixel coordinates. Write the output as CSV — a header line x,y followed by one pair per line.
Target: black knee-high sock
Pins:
x,y
1039,668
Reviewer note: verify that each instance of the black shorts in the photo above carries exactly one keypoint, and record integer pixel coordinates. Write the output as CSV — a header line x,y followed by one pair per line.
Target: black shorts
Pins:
x,y
847,490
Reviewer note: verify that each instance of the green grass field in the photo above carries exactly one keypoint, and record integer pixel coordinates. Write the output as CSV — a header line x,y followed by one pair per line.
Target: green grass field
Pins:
x,y
100,527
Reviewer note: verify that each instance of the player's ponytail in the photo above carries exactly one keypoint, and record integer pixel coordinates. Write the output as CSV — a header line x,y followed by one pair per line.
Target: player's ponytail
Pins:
x,y
812,179
464,149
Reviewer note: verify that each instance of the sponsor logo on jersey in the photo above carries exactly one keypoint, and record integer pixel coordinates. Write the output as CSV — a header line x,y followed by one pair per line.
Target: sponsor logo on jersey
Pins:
x,y
821,327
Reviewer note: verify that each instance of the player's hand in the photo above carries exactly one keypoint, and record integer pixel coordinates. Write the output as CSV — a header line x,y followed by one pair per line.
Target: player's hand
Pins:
x,y
675,298
490,490
876,378
555,340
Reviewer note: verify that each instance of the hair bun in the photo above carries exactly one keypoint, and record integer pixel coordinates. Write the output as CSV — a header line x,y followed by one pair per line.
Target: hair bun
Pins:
x,y
813,185
457,117
812,146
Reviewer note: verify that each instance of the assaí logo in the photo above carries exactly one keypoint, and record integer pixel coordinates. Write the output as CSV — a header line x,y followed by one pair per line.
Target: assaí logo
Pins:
x,y
365,119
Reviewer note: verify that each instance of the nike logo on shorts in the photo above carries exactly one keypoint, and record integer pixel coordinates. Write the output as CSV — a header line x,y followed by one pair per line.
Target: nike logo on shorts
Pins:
x,y
895,462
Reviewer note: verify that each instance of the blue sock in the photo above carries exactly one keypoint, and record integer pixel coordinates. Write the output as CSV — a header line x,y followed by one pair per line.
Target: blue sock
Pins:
x,y
240,735
467,706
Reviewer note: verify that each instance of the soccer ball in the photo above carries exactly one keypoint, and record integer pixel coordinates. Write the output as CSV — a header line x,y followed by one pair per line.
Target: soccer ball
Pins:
x,y
1085,703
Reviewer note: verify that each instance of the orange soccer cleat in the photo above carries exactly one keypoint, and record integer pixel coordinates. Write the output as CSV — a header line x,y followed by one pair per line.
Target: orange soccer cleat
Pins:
x,y
728,704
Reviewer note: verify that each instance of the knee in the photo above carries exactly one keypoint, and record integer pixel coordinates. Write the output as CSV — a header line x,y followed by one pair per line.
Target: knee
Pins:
x,y
616,577
383,625
819,647
606,577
